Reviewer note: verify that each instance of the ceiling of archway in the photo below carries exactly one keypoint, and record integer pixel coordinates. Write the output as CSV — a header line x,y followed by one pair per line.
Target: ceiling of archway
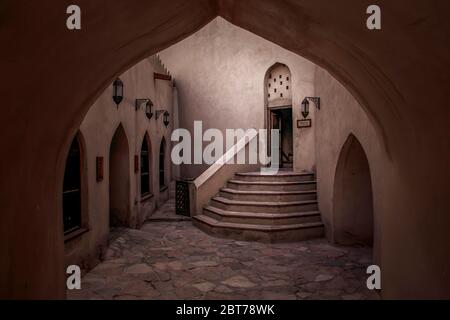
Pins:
x,y
379,68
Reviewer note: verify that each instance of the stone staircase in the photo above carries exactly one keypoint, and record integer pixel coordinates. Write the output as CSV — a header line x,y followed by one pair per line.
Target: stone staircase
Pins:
x,y
269,208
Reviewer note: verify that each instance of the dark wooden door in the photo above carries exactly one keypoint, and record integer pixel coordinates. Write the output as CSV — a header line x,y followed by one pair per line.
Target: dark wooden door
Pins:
x,y
277,123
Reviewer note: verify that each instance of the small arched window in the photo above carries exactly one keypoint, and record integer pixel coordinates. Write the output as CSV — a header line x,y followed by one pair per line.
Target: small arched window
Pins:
x,y
280,91
72,189
145,167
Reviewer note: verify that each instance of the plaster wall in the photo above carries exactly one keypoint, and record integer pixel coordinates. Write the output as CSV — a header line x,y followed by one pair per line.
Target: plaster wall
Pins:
x,y
220,74
339,117
97,129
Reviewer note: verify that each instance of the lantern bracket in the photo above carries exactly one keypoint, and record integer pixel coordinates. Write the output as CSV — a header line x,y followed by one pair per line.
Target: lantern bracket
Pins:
x,y
148,104
140,102
159,113
315,100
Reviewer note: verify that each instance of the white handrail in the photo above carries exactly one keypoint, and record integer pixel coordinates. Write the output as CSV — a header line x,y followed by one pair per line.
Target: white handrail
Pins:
x,y
249,135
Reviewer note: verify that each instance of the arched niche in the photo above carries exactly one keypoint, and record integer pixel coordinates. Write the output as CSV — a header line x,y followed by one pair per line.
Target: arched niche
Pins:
x,y
119,179
353,198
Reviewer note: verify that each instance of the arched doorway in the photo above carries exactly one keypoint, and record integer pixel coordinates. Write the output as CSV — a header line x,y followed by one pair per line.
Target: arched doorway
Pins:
x,y
72,192
353,200
278,89
145,167
119,179
365,65
162,167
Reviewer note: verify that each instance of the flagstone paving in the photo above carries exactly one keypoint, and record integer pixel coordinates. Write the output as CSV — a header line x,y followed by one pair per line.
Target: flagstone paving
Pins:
x,y
175,260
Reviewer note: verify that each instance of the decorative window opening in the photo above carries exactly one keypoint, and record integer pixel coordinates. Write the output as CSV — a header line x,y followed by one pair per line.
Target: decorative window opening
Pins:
x,y
278,91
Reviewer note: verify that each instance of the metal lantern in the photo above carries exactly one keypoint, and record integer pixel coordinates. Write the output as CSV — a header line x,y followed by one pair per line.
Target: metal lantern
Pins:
x,y
118,91
148,109
305,105
166,118
305,108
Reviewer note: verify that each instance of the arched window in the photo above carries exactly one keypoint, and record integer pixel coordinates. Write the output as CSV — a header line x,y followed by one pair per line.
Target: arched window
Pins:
x,y
72,189
162,157
278,86
145,167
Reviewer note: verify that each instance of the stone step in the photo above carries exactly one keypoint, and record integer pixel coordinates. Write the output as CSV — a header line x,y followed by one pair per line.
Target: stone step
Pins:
x,y
281,176
264,207
262,218
271,186
255,232
277,196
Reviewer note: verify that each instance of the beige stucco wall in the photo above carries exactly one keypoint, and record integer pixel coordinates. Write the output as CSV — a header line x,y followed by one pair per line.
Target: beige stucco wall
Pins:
x,y
340,116
97,130
220,73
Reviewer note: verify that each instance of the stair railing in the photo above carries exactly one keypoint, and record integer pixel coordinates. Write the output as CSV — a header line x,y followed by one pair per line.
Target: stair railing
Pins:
x,y
209,183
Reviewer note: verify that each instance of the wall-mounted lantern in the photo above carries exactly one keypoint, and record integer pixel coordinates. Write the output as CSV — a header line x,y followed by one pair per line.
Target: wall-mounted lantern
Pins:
x,y
305,105
165,114
166,118
118,91
148,108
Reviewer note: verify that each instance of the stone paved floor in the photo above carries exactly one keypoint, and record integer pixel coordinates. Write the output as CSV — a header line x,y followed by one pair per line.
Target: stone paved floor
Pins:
x,y
167,213
175,260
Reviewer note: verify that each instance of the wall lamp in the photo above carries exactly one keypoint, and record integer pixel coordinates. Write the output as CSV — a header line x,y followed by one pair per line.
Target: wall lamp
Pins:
x,y
165,114
117,91
305,105
148,106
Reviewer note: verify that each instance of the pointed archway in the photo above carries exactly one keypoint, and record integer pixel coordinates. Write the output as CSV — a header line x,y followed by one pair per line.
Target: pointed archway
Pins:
x,y
364,64
119,179
353,199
